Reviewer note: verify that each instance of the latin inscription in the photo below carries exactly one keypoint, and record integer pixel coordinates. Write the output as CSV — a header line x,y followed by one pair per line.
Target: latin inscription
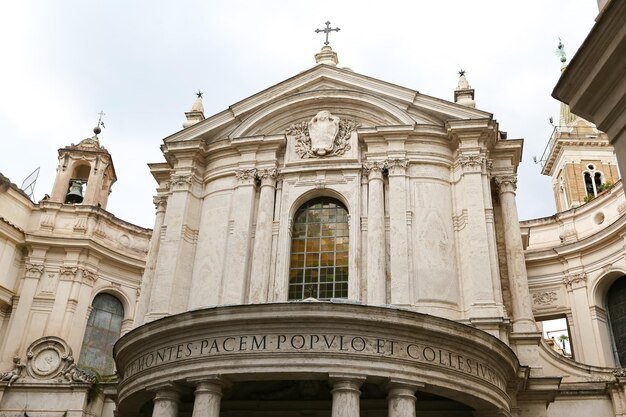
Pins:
x,y
315,343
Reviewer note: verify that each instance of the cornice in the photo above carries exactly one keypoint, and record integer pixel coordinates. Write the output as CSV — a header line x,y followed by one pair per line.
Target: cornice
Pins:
x,y
126,257
613,234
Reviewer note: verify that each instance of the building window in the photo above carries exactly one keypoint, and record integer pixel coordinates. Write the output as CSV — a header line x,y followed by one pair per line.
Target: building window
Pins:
x,y
319,251
616,307
103,329
594,183
556,334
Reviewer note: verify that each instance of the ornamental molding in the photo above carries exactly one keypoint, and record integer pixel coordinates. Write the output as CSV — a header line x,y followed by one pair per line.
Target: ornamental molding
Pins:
x,y
246,176
506,183
89,277
160,202
397,166
50,358
67,273
324,135
545,298
472,161
460,220
15,373
267,175
34,270
573,281
181,181
374,167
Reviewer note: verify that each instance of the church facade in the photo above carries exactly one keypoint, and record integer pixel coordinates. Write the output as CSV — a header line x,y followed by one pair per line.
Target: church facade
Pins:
x,y
334,245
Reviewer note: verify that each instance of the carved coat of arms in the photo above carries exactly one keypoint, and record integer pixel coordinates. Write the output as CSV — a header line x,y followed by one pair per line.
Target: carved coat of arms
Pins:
x,y
323,135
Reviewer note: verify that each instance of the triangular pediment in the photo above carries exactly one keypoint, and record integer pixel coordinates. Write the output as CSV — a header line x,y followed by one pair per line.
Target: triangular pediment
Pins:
x,y
370,101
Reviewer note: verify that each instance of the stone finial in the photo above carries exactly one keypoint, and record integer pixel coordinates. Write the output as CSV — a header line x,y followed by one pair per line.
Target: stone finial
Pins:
x,y
464,93
196,114
327,56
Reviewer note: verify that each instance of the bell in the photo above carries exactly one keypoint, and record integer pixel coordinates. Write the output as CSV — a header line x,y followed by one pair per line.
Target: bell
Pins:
x,y
75,194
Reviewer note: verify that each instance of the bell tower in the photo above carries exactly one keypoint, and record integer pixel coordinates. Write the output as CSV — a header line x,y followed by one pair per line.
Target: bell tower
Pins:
x,y
85,173
578,157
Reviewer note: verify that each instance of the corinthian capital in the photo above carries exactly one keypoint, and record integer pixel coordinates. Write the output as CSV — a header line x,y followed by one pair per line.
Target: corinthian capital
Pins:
x,y
506,183
34,270
472,161
246,176
573,281
181,181
374,169
267,176
397,166
160,202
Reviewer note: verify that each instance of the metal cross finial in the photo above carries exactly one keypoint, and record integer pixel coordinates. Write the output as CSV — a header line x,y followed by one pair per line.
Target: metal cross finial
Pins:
x,y
327,30
100,123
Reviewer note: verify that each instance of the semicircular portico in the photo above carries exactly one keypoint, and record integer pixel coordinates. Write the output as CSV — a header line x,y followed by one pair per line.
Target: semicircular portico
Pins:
x,y
315,341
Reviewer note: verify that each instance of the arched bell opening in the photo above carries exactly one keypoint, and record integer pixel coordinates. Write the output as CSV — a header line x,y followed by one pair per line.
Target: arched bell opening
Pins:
x,y
77,184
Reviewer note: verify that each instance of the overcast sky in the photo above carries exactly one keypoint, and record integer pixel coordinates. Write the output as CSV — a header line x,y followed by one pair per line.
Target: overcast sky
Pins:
x,y
142,61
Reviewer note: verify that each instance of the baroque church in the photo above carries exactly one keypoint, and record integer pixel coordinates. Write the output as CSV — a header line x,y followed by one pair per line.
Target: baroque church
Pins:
x,y
332,246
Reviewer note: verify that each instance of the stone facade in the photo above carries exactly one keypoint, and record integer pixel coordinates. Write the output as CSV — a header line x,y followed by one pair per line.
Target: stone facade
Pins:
x,y
334,245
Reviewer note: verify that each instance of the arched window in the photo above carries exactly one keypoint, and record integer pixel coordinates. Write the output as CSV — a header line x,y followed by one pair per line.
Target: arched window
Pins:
x,y
589,185
616,306
103,330
593,181
319,251
597,179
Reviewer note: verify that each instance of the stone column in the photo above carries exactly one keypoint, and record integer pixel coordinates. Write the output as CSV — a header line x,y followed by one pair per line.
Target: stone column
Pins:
x,y
260,271
208,396
346,395
523,320
376,275
401,400
400,291
235,279
165,403
160,203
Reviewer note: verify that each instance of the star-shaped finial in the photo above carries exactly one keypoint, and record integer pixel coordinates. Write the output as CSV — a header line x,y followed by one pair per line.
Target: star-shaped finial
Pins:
x,y
199,94
462,72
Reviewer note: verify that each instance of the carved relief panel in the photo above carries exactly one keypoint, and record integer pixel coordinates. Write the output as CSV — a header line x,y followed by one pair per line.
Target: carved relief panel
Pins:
x,y
323,136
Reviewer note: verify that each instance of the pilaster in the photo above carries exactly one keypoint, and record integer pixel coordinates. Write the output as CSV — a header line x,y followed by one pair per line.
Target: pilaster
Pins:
x,y
400,288
235,280
576,286
260,270
172,275
475,253
376,275
33,270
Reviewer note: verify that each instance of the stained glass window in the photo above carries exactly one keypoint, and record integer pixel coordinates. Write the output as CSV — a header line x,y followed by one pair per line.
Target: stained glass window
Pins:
x,y
103,329
319,251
